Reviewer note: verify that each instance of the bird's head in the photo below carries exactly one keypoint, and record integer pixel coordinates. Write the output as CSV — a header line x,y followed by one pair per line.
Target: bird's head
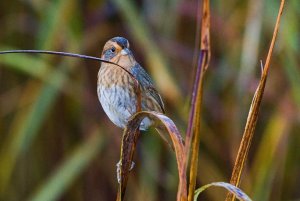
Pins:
x,y
116,48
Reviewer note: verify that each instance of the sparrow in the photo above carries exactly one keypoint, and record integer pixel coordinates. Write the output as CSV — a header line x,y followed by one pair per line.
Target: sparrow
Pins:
x,y
116,87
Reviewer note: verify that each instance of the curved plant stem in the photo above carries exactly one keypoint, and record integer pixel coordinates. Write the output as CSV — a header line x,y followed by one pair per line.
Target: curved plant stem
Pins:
x,y
129,141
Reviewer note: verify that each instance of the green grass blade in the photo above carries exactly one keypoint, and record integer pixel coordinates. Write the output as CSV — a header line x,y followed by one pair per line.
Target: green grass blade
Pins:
x,y
56,21
265,164
33,66
27,122
70,169
25,63
26,125
155,60
291,50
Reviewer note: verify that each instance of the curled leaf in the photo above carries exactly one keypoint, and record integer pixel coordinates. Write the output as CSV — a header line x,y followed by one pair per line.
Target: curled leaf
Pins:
x,y
233,189
129,141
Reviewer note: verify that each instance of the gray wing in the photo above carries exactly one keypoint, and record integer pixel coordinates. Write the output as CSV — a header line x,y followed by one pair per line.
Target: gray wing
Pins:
x,y
147,84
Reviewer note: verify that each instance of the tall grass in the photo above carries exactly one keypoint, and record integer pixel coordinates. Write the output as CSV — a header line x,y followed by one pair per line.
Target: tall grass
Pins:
x,y
48,105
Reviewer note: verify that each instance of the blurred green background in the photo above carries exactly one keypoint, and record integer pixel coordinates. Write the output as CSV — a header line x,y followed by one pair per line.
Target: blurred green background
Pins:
x,y
56,143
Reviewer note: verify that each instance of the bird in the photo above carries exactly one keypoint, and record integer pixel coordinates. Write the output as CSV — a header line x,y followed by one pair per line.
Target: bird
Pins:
x,y
116,87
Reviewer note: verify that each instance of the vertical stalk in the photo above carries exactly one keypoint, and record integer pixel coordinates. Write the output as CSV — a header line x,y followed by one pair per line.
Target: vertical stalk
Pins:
x,y
253,114
193,132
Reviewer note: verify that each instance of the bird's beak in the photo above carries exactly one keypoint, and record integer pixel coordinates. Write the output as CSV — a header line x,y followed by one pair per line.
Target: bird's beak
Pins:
x,y
125,52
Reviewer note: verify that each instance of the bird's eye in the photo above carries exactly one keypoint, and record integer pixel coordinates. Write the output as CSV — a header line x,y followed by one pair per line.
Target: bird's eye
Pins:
x,y
113,49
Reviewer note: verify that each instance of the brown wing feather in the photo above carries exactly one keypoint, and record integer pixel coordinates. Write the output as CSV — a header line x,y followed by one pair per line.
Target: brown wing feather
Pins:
x,y
147,84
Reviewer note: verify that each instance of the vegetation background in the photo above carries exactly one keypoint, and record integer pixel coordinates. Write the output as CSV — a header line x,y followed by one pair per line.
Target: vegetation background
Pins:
x,y
56,143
